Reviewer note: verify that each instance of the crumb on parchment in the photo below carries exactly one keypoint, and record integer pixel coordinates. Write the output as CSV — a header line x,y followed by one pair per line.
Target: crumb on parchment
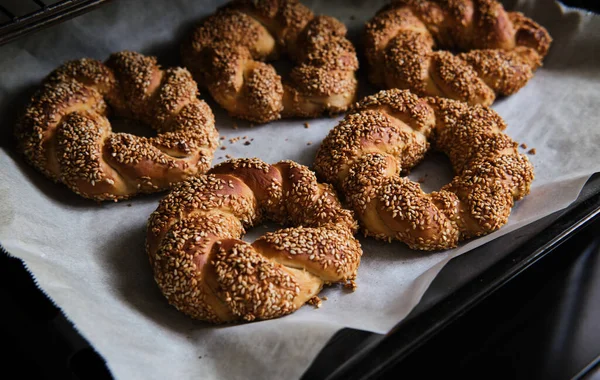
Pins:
x,y
315,301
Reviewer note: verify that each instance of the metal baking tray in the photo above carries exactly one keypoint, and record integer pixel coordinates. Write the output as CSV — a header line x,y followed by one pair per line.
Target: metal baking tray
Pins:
x,y
51,343
353,354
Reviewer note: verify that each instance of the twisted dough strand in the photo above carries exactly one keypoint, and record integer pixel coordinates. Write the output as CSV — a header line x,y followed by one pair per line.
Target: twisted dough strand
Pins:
x,y
205,271
65,133
226,54
400,39
389,132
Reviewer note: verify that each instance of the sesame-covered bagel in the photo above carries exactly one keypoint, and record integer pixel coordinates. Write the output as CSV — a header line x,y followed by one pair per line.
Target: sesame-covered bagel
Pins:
x,y
205,271
65,133
227,54
501,49
390,132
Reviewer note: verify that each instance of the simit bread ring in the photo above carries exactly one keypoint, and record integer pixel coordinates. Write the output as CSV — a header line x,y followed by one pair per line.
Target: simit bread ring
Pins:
x,y
389,132
226,53
400,40
65,133
205,271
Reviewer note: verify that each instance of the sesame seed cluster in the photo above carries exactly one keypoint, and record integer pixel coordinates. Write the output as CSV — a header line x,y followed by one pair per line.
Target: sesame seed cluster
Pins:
x,y
65,132
227,55
388,133
501,50
207,272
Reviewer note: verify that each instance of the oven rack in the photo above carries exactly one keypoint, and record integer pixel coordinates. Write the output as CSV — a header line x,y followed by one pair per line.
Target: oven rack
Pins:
x,y
21,17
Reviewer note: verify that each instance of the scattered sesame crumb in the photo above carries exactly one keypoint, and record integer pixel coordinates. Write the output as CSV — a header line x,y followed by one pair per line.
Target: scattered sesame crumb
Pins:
x,y
222,138
228,156
128,204
524,146
223,147
309,143
324,298
315,301
531,151
351,285
247,143
306,125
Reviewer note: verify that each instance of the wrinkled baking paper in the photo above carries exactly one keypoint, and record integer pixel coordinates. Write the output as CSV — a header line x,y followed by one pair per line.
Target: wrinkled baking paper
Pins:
x,y
89,258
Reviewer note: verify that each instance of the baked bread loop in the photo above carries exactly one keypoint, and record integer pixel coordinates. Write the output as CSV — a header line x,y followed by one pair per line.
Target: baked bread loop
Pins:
x,y
227,55
501,49
390,132
205,271
66,135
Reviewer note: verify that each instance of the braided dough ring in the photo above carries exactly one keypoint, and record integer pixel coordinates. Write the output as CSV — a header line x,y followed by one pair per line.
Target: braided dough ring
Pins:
x,y
205,271
389,132
65,133
226,53
502,49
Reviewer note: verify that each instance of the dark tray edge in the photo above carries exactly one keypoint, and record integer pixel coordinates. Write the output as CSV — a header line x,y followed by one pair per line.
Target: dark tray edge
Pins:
x,y
378,353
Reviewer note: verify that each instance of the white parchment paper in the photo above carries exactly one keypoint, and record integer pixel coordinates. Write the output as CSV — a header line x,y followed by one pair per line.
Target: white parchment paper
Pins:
x,y
89,258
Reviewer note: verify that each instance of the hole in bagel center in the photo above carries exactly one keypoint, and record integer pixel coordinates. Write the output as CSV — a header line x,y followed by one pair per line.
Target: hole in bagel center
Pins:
x,y
260,229
433,172
120,124
283,66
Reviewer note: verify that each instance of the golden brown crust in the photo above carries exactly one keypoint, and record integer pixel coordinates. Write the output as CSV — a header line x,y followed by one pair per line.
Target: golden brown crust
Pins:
x,y
389,132
208,273
226,53
503,49
65,133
